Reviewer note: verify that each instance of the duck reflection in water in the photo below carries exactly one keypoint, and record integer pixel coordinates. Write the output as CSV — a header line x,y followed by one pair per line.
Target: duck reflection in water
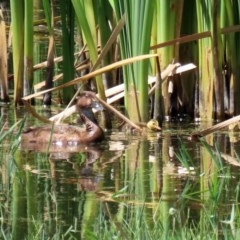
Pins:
x,y
81,169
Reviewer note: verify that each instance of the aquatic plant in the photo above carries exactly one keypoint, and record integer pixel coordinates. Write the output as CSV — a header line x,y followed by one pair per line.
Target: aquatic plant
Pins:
x,y
213,25
3,61
17,21
135,41
68,27
28,49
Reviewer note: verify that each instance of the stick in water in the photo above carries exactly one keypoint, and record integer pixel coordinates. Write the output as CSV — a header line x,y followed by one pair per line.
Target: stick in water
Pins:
x,y
118,113
214,128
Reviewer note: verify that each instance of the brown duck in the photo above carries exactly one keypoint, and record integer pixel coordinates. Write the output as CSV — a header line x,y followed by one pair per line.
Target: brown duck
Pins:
x,y
67,135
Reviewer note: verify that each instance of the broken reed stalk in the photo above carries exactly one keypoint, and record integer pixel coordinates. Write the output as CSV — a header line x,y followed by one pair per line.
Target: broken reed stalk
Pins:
x,y
118,114
199,134
195,36
40,85
34,113
170,68
56,60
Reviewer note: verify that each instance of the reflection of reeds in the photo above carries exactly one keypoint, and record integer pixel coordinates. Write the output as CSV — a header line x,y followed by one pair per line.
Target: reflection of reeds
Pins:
x,y
184,157
5,133
128,206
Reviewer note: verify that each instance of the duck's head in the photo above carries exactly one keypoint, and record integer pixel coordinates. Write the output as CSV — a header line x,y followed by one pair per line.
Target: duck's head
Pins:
x,y
153,125
85,104
85,100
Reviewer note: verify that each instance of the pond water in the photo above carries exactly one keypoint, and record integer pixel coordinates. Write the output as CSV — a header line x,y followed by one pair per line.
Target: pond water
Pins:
x,y
129,186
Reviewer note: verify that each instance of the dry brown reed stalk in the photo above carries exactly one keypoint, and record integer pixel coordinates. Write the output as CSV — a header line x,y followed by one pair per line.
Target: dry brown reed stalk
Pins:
x,y
31,110
221,125
195,36
3,60
40,85
112,109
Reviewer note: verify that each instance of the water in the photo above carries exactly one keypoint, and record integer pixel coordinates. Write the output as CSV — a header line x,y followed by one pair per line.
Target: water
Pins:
x,y
149,186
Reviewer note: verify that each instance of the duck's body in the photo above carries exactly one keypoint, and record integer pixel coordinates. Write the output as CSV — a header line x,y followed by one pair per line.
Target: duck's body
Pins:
x,y
66,135
63,134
